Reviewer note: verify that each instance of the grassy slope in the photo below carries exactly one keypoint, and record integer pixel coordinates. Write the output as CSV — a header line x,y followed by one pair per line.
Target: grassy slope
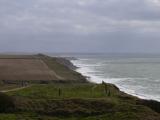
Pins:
x,y
78,102
63,71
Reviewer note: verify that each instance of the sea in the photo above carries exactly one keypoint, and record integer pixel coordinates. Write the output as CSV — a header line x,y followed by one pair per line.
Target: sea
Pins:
x,y
135,74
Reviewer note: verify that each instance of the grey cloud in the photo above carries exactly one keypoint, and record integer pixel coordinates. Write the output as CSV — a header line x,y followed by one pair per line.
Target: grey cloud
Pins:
x,y
80,25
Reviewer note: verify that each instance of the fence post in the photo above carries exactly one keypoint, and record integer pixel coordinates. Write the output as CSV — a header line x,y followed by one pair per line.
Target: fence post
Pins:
x,y
59,92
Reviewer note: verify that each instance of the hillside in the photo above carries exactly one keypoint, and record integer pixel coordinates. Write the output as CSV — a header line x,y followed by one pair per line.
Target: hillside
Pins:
x,y
63,94
36,68
75,101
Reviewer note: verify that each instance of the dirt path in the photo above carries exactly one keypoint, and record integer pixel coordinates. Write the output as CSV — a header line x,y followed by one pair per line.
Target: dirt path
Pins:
x,y
15,89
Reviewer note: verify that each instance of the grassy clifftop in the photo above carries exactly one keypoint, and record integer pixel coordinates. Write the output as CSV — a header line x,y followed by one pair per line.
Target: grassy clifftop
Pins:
x,y
37,69
71,97
63,67
75,101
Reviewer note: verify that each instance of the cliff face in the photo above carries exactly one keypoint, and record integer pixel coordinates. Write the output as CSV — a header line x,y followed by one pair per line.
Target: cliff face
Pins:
x,y
62,60
66,62
75,99
63,68
67,70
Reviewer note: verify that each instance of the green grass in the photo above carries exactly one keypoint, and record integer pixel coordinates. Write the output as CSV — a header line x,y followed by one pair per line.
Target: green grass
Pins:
x,y
62,70
66,91
8,116
77,102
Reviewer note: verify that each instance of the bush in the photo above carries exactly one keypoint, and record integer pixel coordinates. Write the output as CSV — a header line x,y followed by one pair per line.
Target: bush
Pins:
x,y
154,105
6,103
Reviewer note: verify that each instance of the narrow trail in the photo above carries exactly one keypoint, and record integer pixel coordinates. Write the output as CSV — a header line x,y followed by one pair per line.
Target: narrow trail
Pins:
x,y
15,89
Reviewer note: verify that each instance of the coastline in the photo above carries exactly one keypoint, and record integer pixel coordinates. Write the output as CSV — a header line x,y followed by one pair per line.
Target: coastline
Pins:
x,y
76,99
151,103
93,79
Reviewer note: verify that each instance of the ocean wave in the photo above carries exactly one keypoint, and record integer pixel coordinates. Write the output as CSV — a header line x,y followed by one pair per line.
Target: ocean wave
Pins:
x,y
96,77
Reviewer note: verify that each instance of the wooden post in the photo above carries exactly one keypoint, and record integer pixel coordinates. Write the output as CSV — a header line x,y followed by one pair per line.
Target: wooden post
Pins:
x,y
59,92
109,93
107,90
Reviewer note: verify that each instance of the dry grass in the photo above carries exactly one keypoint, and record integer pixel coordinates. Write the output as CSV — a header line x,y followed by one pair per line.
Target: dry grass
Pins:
x,y
36,69
25,69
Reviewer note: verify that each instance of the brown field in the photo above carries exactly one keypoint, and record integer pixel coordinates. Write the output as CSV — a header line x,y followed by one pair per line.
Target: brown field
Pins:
x,y
25,69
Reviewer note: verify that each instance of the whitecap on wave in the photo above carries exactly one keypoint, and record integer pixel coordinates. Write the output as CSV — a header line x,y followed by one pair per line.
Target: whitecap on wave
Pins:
x,y
97,77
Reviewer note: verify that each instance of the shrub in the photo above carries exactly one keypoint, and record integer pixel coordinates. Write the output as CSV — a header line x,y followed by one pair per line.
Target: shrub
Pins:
x,y
6,103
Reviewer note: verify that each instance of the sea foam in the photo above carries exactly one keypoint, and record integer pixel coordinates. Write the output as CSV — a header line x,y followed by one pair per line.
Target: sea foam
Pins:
x,y
97,77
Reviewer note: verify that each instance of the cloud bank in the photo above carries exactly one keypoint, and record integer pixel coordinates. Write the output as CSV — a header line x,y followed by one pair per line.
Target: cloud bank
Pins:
x,y
80,26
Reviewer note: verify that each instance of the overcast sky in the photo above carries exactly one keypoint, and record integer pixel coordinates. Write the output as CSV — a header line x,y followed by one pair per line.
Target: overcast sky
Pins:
x,y
110,26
